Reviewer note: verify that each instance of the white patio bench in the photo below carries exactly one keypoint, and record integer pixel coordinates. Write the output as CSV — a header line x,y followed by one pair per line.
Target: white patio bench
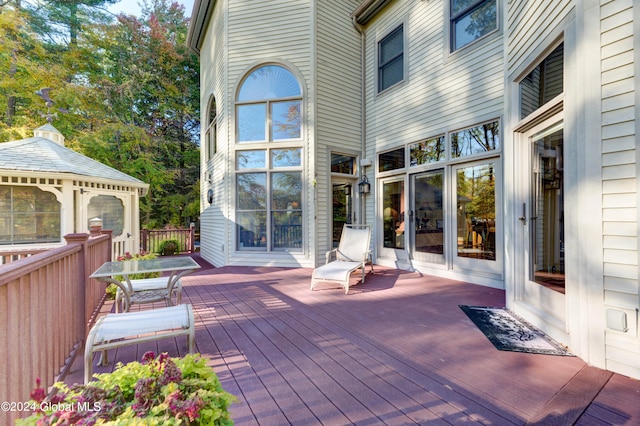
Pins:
x,y
116,330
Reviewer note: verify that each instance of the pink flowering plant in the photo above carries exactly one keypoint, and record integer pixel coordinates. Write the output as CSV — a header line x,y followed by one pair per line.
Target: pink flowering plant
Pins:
x,y
157,391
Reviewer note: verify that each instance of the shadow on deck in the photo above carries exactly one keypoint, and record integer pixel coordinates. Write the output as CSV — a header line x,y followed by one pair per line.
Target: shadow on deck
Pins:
x,y
395,350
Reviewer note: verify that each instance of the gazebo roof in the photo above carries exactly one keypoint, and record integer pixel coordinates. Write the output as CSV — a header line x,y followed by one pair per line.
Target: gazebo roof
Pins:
x,y
39,154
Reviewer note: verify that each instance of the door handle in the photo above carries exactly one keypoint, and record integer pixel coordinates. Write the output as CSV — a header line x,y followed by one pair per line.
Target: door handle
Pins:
x,y
523,218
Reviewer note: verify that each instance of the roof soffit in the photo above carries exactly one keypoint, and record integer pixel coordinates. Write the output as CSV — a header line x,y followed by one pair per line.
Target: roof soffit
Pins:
x,y
368,10
200,17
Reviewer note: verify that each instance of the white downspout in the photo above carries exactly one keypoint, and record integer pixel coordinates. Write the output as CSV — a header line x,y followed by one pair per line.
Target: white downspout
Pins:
x,y
363,107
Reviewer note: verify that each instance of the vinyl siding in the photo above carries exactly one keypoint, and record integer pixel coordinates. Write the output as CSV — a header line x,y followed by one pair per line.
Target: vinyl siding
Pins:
x,y
338,104
260,32
214,240
620,196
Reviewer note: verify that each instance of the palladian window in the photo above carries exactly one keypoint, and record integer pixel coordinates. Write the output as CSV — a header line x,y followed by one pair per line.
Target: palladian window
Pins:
x,y
268,106
269,204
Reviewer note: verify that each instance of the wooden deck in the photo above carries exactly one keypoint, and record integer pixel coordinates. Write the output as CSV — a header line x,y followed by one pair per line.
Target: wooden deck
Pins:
x,y
395,350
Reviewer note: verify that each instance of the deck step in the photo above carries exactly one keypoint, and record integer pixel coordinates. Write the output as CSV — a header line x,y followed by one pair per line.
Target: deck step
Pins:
x,y
566,406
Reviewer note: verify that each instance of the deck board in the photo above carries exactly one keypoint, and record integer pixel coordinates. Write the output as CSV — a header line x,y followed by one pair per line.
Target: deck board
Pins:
x,y
395,350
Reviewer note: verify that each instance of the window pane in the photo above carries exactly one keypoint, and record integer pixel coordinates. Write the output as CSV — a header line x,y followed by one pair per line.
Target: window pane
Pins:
x,y
286,157
429,226
391,160
251,159
342,164
251,122
391,73
286,120
393,214
458,6
252,191
479,22
429,151
287,230
391,60
286,191
476,140
476,212
269,82
544,83
252,230
391,46
110,209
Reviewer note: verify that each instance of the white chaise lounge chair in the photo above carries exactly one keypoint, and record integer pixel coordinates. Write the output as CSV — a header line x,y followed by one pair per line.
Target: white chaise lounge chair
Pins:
x,y
352,253
115,330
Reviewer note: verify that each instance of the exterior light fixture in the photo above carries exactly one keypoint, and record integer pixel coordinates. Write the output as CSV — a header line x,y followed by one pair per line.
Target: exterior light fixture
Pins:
x,y
364,187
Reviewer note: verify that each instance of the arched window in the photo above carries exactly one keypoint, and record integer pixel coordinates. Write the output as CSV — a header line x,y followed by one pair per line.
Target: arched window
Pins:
x,y
269,205
211,146
268,106
110,209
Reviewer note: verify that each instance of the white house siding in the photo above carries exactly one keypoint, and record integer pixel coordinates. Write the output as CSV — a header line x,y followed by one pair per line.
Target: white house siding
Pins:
x,y
214,240
259,32
619,64
338,105
442,91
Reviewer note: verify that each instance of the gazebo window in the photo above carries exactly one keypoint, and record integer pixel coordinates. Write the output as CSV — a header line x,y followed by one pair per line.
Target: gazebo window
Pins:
x,y
28,215
110,209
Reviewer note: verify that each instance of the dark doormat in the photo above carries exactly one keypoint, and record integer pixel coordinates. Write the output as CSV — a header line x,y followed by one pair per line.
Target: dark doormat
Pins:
x,y
510,333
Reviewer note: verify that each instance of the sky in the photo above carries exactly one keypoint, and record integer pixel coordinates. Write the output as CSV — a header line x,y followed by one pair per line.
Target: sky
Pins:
x,y
131,7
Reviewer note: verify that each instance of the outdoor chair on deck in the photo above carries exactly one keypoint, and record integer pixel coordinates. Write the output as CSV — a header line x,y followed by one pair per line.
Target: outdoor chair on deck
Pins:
x,y
150,290
352,253
117,330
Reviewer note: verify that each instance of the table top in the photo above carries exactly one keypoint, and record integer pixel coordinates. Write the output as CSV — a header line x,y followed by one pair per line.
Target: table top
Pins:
x,y
160,264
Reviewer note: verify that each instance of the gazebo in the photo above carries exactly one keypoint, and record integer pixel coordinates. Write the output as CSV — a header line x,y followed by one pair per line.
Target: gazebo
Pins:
x,y
48,191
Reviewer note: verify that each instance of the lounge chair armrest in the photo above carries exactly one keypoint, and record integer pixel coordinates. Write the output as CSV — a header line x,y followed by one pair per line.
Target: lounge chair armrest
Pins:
x,y
328,255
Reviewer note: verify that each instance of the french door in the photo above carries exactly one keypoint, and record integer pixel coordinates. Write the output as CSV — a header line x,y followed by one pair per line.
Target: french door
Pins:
x,y
477,232
542,283
427,217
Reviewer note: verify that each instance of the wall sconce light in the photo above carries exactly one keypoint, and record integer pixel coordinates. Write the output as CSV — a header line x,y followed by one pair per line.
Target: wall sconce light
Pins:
x,y
364,187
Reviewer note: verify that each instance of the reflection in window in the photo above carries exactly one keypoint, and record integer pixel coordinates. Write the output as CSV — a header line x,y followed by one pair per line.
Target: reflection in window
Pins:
x,y
28,215
286,157
212,128
544,83
476,212
391,59
110,209
476,140
268,106
425,152
344,164
269,205
391,160
251,159
429,214
471,20
393,214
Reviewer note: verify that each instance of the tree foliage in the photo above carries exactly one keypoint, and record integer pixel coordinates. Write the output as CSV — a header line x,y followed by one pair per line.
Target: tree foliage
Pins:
x,y
125,91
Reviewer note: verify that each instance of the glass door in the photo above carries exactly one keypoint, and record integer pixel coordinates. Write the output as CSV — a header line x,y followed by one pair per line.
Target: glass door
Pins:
x,y
393,217
477,220
342,208
427,217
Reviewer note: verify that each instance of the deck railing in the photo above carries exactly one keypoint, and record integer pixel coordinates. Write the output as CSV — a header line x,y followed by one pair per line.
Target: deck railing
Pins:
x,y
150,239
47,303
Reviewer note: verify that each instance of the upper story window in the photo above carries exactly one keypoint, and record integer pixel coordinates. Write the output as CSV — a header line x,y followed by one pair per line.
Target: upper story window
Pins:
x,y
471,20
544,83
212,128
391,59
268,106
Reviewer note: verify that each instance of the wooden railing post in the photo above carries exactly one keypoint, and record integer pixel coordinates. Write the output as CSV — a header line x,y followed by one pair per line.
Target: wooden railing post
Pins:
x,y
192,238
83,280
109,232
144,236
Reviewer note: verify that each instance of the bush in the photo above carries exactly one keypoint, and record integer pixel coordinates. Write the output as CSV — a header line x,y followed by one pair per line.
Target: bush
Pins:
x,y
168,247
156,391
